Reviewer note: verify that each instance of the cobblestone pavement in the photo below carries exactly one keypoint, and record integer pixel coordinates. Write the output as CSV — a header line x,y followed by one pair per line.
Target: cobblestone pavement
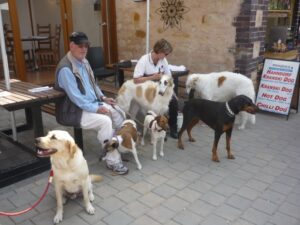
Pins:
x,y
260,187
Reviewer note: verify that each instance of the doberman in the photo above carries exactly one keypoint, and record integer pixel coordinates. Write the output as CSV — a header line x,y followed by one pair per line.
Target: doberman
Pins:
x,y
219,116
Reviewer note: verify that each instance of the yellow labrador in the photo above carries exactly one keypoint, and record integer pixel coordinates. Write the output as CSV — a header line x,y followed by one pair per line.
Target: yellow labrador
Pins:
x,y
71,172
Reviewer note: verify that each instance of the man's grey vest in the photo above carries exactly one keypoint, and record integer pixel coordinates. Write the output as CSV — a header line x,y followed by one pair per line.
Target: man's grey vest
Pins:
x,y
66,112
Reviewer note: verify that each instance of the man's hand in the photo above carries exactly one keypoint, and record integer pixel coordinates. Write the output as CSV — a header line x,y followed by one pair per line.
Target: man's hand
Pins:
x,y
103,110
110,101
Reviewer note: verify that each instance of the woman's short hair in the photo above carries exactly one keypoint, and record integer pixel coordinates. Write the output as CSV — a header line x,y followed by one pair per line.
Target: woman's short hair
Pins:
x,y
162,46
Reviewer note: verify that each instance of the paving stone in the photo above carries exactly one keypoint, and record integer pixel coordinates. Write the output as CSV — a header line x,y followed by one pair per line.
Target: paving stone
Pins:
x,y
74,220
255,216
227,212
111,204
176,204
118,218
224,190
128,195
201,186
22,198
264,206
45,218
165,191
273,196
281,188
213,198
211,179
189,176
142,187
290,210
92,219
177,183
280,219
161,214
144,220
239,202
187,217
214,220
248,193
257,185
201,208
105,191
188,194
156,179
135,209
151,199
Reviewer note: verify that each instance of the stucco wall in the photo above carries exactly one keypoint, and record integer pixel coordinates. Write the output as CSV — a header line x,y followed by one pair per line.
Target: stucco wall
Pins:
x,y
203,44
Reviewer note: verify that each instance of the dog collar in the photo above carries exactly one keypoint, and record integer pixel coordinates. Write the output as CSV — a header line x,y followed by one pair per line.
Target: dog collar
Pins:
x,y
155,127
229,110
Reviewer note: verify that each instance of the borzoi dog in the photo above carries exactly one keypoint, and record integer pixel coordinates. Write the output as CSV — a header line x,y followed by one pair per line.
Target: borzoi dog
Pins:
x,y
150,95
223,86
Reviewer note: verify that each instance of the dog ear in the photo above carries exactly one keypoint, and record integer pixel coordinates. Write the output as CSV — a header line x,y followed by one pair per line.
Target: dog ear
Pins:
x,y
72,149
115,144
171,82
194,81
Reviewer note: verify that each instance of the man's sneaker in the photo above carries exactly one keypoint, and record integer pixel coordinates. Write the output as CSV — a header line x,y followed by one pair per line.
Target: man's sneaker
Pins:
x,y
118,168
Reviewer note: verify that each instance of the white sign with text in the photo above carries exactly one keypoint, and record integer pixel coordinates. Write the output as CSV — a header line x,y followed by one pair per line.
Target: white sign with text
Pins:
x,y
277,86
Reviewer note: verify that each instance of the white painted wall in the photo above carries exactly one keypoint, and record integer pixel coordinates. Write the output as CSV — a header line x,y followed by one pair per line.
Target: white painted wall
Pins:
x,y
87,20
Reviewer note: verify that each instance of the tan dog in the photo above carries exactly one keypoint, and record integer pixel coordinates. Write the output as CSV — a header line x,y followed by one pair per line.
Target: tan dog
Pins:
x,y
71,172
157,126
125,140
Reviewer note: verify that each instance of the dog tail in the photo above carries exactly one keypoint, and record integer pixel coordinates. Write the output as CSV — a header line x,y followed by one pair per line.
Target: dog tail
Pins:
x,y
95,178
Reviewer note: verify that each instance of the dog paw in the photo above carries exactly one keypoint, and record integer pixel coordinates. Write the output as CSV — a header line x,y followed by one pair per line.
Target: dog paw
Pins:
x,y
142,142
180,146
161,154
154,157
242,127
231,157
58,217
139,167
215,159
90,209
192,140
91,196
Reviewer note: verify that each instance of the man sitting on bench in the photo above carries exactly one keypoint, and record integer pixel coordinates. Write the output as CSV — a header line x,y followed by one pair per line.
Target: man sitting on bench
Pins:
x,y
85,105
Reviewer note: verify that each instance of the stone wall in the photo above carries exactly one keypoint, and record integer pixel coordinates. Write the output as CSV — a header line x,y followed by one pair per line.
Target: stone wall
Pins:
x,y
204,39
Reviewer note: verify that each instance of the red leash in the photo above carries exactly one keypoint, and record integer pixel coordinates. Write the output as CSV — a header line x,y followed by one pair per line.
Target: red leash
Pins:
x,y
34,205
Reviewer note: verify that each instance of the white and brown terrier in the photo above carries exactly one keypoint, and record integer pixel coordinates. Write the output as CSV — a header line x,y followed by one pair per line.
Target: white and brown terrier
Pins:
x,y
157,126
125,140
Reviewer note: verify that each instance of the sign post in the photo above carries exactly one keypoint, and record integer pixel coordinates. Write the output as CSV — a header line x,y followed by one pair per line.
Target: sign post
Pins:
x,y
277,85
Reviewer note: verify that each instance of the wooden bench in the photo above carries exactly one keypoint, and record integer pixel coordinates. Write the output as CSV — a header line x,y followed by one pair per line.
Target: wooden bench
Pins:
x,y
50,109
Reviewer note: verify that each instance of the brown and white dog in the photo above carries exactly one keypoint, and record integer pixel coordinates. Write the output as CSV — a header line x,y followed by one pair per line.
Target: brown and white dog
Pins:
x,y
71,172
150,95
157,126
125,140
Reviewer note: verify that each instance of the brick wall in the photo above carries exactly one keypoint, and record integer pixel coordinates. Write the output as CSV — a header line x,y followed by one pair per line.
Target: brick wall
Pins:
x,y
250,34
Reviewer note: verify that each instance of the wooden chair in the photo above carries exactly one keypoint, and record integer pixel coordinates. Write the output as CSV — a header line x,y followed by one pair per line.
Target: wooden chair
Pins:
x,y
10,51
44,30
49,58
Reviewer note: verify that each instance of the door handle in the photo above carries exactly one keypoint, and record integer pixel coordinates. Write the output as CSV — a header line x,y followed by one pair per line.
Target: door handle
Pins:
x,y
104,24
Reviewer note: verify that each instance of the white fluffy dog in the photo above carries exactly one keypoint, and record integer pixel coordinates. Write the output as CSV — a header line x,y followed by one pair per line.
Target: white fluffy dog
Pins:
x,y
222,86
150,95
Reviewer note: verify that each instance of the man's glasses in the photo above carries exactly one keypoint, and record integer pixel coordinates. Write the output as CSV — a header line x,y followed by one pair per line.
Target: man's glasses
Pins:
x,y
83,45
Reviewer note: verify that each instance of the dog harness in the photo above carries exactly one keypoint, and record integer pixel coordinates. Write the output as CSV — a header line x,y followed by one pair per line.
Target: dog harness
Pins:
x,y
229,111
